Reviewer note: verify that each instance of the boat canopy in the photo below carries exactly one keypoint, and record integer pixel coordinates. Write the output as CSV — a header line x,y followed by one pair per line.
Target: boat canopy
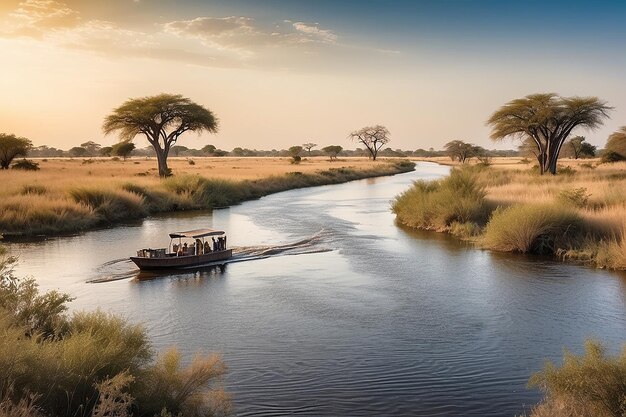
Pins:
x,y
198,233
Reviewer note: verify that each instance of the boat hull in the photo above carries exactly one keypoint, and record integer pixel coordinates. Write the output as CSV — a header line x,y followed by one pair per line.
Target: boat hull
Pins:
x,y
180,262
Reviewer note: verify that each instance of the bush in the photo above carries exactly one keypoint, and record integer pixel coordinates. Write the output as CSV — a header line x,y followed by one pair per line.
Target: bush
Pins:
x,y
577,197
110,205
610,157
91,364
539,228
592,384
26,165
437,205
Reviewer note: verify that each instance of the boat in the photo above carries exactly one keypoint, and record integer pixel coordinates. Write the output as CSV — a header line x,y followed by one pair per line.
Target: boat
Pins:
x,y
186,249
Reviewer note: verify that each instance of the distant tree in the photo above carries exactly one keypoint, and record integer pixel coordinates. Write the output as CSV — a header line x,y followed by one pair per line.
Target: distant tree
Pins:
x,y
162,119
44,151
617,143
547,119
106,151
577,147
122,149
332,151
91,147
178,149
295,152
78,151
209,149
308,146
237,151
461,151
12,146
372,137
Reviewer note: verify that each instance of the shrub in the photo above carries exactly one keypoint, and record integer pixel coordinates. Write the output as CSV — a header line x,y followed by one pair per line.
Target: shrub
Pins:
x,y
26,165
111,205
191,162
592,384
533,228
436,205
610,157
91,364
578,197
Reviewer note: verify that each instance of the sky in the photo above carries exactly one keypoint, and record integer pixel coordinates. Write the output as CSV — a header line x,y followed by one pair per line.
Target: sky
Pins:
x,y
279,73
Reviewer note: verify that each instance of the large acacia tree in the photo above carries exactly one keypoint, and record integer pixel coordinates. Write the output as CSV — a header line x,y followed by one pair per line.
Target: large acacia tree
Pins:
x,y
11,147
547,119
373,137
162,119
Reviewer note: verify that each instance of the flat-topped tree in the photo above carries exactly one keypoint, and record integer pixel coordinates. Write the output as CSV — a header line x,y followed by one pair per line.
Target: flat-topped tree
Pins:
x,y
547,119
11,147
373,137
162,119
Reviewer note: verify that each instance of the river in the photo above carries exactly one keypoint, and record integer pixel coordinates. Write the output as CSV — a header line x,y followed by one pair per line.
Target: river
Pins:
x,y
343,312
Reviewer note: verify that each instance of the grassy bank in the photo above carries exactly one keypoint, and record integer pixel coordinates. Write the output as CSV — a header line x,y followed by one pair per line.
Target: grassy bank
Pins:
x,y
83,197
578,215
92,363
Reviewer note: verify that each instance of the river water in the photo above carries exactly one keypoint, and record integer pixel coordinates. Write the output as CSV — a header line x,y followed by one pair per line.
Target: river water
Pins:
x,y
340,311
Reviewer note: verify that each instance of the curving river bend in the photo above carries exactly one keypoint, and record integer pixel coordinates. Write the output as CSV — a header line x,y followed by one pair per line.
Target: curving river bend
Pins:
x,y
363,317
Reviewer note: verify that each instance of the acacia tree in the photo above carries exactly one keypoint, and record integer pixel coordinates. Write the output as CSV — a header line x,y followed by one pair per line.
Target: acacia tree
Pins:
x,y
332,151
547,119
457,149
122,149
11,147
373,137
162,119
308,146
578,147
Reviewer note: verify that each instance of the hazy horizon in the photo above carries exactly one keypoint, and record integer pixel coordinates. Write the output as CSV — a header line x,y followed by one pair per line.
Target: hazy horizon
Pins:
x,y
281,73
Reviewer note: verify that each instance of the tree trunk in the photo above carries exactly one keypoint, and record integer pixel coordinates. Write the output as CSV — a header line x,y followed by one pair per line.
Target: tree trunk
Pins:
x,y
164,171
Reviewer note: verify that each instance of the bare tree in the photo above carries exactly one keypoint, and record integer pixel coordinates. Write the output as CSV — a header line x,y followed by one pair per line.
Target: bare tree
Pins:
x,y
373,137
547,119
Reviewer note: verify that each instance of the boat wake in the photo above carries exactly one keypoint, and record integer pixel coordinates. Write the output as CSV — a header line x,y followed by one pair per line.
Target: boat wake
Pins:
x,y
123,268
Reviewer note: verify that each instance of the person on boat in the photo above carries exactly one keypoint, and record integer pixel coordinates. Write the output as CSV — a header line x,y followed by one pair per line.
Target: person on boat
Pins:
x,y
214,244
192,249
207,247
175,248
199,247
185,249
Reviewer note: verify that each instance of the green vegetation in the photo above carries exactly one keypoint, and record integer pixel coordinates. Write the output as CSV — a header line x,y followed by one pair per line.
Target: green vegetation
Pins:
x,y
444,204
32,213
518,211
11,147
26,165
592,384
91,364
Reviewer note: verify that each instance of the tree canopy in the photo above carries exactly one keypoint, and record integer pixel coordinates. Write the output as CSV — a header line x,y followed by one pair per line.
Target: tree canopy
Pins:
x,y
578,147
308,146
332,151
617,143
462,151
548,119
122,149
12,146
162,119
372,137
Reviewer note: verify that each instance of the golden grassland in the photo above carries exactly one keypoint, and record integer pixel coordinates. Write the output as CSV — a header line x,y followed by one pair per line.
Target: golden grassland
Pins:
x,y
579,214
68,195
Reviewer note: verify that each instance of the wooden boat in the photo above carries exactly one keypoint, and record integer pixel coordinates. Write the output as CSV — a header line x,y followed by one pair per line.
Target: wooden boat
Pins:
x,y
193,249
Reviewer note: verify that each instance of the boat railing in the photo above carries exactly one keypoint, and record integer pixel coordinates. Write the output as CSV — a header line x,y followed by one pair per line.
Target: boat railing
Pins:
x,y
152,253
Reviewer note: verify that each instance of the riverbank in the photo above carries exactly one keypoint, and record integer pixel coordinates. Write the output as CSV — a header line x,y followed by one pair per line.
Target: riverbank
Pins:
x,y
68,196
578,215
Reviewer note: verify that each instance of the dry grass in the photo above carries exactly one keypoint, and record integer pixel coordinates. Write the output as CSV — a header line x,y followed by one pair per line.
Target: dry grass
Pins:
x,y
534,212
69,195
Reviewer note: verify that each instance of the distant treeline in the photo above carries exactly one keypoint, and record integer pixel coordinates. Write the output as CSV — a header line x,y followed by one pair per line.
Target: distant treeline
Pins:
x,y
91,149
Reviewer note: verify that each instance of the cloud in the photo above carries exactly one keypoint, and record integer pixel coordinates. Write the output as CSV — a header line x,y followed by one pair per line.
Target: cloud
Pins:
x,y
244,34
33,18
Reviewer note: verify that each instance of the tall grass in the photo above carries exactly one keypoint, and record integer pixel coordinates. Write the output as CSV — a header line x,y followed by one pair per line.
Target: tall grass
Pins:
x,y
61,207
92,364
437,205
533,228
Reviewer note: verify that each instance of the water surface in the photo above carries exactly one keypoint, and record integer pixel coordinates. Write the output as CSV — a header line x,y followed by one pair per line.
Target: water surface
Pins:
x,y
369,318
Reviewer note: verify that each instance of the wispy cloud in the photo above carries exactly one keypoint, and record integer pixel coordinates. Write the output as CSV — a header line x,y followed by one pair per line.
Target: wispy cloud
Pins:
x,y
35,17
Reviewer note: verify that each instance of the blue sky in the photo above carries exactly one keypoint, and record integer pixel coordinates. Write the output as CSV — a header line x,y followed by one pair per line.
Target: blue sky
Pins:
x,y
283,72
